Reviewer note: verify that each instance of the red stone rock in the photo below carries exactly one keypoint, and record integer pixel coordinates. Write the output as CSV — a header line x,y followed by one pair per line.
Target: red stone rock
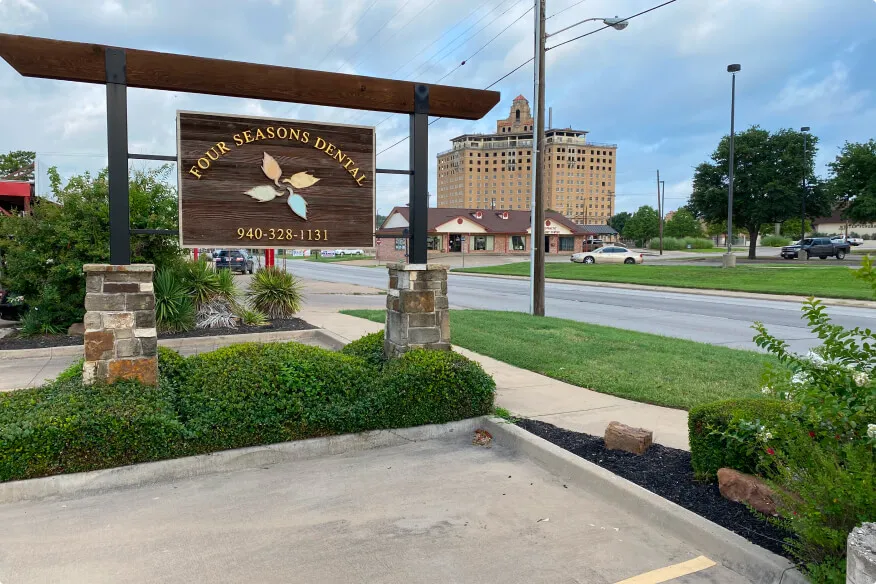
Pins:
x,y
99,345
143,369
748,489
622,437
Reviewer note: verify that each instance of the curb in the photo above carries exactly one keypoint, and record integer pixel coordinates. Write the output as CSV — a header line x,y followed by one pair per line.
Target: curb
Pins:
x,y
327,337
99,481
848,302
732,551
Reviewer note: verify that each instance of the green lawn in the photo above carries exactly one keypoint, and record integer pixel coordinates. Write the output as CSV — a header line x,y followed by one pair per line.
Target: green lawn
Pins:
x,y
821,281
638,366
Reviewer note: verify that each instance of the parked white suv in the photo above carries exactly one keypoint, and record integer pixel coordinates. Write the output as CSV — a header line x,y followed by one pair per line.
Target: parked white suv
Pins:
x,y
850,240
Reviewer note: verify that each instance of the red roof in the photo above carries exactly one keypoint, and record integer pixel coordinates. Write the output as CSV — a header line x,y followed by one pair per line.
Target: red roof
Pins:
x,y
519,97
491,220
14,188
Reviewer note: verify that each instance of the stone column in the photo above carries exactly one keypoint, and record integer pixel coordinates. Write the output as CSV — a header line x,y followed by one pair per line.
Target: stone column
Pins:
x,y
121,341
416,309
861,555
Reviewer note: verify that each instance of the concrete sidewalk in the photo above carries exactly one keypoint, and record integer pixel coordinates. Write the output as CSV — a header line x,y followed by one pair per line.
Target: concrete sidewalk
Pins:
x,y
530,395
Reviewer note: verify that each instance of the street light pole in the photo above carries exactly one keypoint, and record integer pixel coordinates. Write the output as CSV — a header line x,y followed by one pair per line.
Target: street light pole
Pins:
x,y
536,248
804,129
729,258
662,195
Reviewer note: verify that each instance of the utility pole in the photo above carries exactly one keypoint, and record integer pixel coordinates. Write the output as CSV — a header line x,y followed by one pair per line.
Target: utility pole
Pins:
x,y
805,129
536,275
729,258
660,211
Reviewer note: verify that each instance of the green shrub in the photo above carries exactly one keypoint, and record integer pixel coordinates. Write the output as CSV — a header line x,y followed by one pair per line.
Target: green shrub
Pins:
x,y
369,348
66,427
710,450
774,241
174,310
432,387
250,316
677,243
202,281
262,393
699,242
71,373
275,292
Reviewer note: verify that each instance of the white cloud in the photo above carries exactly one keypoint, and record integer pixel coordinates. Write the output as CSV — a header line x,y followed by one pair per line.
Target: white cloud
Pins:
x,y
831,93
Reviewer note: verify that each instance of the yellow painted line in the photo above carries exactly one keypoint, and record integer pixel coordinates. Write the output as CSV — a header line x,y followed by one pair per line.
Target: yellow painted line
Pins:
x,y
670,572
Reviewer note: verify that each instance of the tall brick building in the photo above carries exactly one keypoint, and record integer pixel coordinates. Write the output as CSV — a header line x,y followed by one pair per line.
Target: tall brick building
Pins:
x,y
494,171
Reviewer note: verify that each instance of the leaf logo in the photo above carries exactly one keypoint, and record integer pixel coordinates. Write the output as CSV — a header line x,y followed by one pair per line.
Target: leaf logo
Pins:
x,y
299,180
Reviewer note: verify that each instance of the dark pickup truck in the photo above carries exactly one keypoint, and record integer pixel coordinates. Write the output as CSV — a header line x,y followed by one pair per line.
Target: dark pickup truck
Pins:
x,y
237,260
820,247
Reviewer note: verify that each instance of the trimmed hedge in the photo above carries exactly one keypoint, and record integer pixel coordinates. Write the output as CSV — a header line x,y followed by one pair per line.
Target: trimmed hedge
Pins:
x,y
709,453
240,395
369,347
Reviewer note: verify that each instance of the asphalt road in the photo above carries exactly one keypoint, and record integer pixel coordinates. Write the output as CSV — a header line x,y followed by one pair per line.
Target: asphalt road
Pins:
x,y
711,319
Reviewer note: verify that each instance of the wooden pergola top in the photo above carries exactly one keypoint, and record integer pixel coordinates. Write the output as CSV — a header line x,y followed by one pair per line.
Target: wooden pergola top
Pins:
x,y
85,62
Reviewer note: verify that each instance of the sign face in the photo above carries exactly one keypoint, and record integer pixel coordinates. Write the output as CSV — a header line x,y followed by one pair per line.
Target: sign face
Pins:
x,y
268,183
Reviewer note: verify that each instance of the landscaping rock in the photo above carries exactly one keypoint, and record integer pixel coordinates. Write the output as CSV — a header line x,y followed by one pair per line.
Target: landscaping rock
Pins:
x,y
861,558
77,329
622,437
744,488
482,438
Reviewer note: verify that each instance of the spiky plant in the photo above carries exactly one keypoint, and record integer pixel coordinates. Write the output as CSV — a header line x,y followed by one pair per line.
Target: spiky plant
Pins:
x,y
174,310
275,293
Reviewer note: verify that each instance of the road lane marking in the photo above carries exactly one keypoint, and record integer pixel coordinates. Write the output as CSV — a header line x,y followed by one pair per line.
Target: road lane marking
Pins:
x,y
671,572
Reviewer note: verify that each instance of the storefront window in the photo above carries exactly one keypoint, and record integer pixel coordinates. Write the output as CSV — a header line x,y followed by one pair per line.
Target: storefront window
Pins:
x,y
567,243
517,243
433,243
483,243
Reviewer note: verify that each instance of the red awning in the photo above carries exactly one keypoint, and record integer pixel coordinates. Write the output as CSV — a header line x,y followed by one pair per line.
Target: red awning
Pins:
x,y
14,188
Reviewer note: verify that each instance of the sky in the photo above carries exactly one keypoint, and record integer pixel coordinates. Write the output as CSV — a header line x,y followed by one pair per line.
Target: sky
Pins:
x,y
659,89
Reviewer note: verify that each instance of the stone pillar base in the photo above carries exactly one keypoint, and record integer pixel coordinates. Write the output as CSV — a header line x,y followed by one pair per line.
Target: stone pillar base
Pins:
x,y
121,339
728,260
416,309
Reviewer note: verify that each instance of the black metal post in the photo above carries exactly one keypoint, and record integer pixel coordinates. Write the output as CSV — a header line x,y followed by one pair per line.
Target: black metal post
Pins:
x,y
419,181
732,163
803,198
117,155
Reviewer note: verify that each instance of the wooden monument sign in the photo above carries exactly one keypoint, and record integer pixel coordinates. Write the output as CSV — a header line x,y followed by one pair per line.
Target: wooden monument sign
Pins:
x,y
259,182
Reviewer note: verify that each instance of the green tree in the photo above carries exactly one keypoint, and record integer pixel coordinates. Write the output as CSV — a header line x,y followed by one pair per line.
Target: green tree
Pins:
x,y
683,224
643,225
768,187
618,221
17,160
853,180
46,251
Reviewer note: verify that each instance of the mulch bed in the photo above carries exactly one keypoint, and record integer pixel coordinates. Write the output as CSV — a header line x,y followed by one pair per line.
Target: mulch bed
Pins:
x,y
667,472
40,341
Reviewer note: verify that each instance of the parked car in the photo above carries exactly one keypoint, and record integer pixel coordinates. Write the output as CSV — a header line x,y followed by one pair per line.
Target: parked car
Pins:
x,y
821,247
608,255
592,244
237,260
850,240
345,252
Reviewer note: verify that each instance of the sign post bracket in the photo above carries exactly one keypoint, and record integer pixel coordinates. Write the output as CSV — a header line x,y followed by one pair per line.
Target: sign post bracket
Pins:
x,y
419,180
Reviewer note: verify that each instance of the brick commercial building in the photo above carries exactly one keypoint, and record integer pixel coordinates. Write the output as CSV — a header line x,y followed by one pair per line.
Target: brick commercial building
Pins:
x,y
478,231
494,171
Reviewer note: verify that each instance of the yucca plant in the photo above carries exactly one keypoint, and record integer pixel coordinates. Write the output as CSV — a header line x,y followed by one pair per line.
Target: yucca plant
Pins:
x,y
174,310
202,281
251,316
226,289
275,293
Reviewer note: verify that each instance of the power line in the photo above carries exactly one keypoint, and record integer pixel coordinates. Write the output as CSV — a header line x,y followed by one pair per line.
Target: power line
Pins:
x,y
611,26
362,50
566,8
484,46
343,36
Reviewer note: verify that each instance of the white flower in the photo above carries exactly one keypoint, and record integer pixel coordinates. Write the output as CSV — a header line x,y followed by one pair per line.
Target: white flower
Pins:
x,y
801,378
861,378
815,358
50,261
764,435
766,390
871,430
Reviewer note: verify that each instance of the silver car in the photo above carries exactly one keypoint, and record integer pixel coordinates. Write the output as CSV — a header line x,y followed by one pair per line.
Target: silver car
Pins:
x,y
608,255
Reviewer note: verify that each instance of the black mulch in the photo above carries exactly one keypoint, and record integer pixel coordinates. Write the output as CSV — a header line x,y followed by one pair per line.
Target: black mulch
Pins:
x,y
35,342
667,472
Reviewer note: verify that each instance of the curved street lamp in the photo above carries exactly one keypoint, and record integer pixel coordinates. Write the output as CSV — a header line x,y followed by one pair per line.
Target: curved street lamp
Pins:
x,y
615,23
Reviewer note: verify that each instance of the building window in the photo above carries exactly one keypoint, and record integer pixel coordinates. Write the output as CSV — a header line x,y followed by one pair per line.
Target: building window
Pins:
x,y
400,243
517,241
433,242
483,243
567,243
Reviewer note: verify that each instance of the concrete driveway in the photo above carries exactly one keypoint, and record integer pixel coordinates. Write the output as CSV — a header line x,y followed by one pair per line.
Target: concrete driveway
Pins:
x,y
435,511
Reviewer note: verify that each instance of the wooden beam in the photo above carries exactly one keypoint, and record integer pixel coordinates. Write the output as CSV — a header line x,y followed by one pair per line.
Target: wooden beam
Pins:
x,y
84,62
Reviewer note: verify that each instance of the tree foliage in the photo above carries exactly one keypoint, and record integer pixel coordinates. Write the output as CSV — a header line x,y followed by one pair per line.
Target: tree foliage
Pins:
x,y
642,225
853,180
617,222
45,251
768,184
683,224
17,160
